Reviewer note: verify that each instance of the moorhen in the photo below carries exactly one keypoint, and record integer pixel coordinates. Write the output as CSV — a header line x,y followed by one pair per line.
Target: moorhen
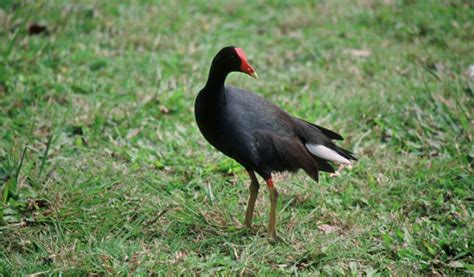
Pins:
x,y
259,135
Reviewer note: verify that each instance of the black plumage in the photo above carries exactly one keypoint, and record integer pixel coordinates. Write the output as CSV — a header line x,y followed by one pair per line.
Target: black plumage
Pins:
x,y
253,131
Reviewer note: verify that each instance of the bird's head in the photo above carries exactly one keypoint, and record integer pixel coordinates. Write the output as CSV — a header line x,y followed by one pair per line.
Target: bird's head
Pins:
x,y
232,58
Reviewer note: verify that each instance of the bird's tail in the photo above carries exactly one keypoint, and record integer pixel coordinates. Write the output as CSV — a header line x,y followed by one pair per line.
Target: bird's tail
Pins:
x,y
318,142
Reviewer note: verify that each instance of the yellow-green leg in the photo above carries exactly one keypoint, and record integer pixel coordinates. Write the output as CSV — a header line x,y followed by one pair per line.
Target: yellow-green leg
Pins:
x,y
273,205
254,186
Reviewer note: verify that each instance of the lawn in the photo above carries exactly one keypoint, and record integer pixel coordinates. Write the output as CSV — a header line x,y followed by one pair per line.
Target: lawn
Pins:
x,y
103,169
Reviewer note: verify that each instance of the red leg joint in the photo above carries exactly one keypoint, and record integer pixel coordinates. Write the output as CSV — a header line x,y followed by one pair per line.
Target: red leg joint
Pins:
x,y
269,183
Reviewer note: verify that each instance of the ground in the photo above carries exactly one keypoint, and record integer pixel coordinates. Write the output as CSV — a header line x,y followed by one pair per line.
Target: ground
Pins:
x,y
103,169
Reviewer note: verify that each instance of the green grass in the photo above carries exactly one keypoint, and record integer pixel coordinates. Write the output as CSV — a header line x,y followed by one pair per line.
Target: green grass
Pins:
x,y
103,170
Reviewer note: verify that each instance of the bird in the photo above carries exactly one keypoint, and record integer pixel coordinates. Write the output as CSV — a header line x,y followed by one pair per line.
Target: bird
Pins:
x,y
259,135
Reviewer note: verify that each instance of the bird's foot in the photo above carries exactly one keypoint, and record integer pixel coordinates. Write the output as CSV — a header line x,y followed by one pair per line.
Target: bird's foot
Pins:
x,y
274,239
277,239
248,229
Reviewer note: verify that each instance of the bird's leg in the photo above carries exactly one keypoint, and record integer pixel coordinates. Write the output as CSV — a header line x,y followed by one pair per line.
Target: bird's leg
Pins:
x,y
254,186
273,205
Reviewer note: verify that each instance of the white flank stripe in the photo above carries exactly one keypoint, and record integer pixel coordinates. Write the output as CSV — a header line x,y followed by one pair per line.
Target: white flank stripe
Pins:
x,y
326,153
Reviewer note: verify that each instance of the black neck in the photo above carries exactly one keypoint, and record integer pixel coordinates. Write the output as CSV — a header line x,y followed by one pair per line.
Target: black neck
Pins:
x,y
216,79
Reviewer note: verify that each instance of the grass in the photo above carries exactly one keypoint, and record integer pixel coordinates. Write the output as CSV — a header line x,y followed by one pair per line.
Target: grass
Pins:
x,y
103,170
